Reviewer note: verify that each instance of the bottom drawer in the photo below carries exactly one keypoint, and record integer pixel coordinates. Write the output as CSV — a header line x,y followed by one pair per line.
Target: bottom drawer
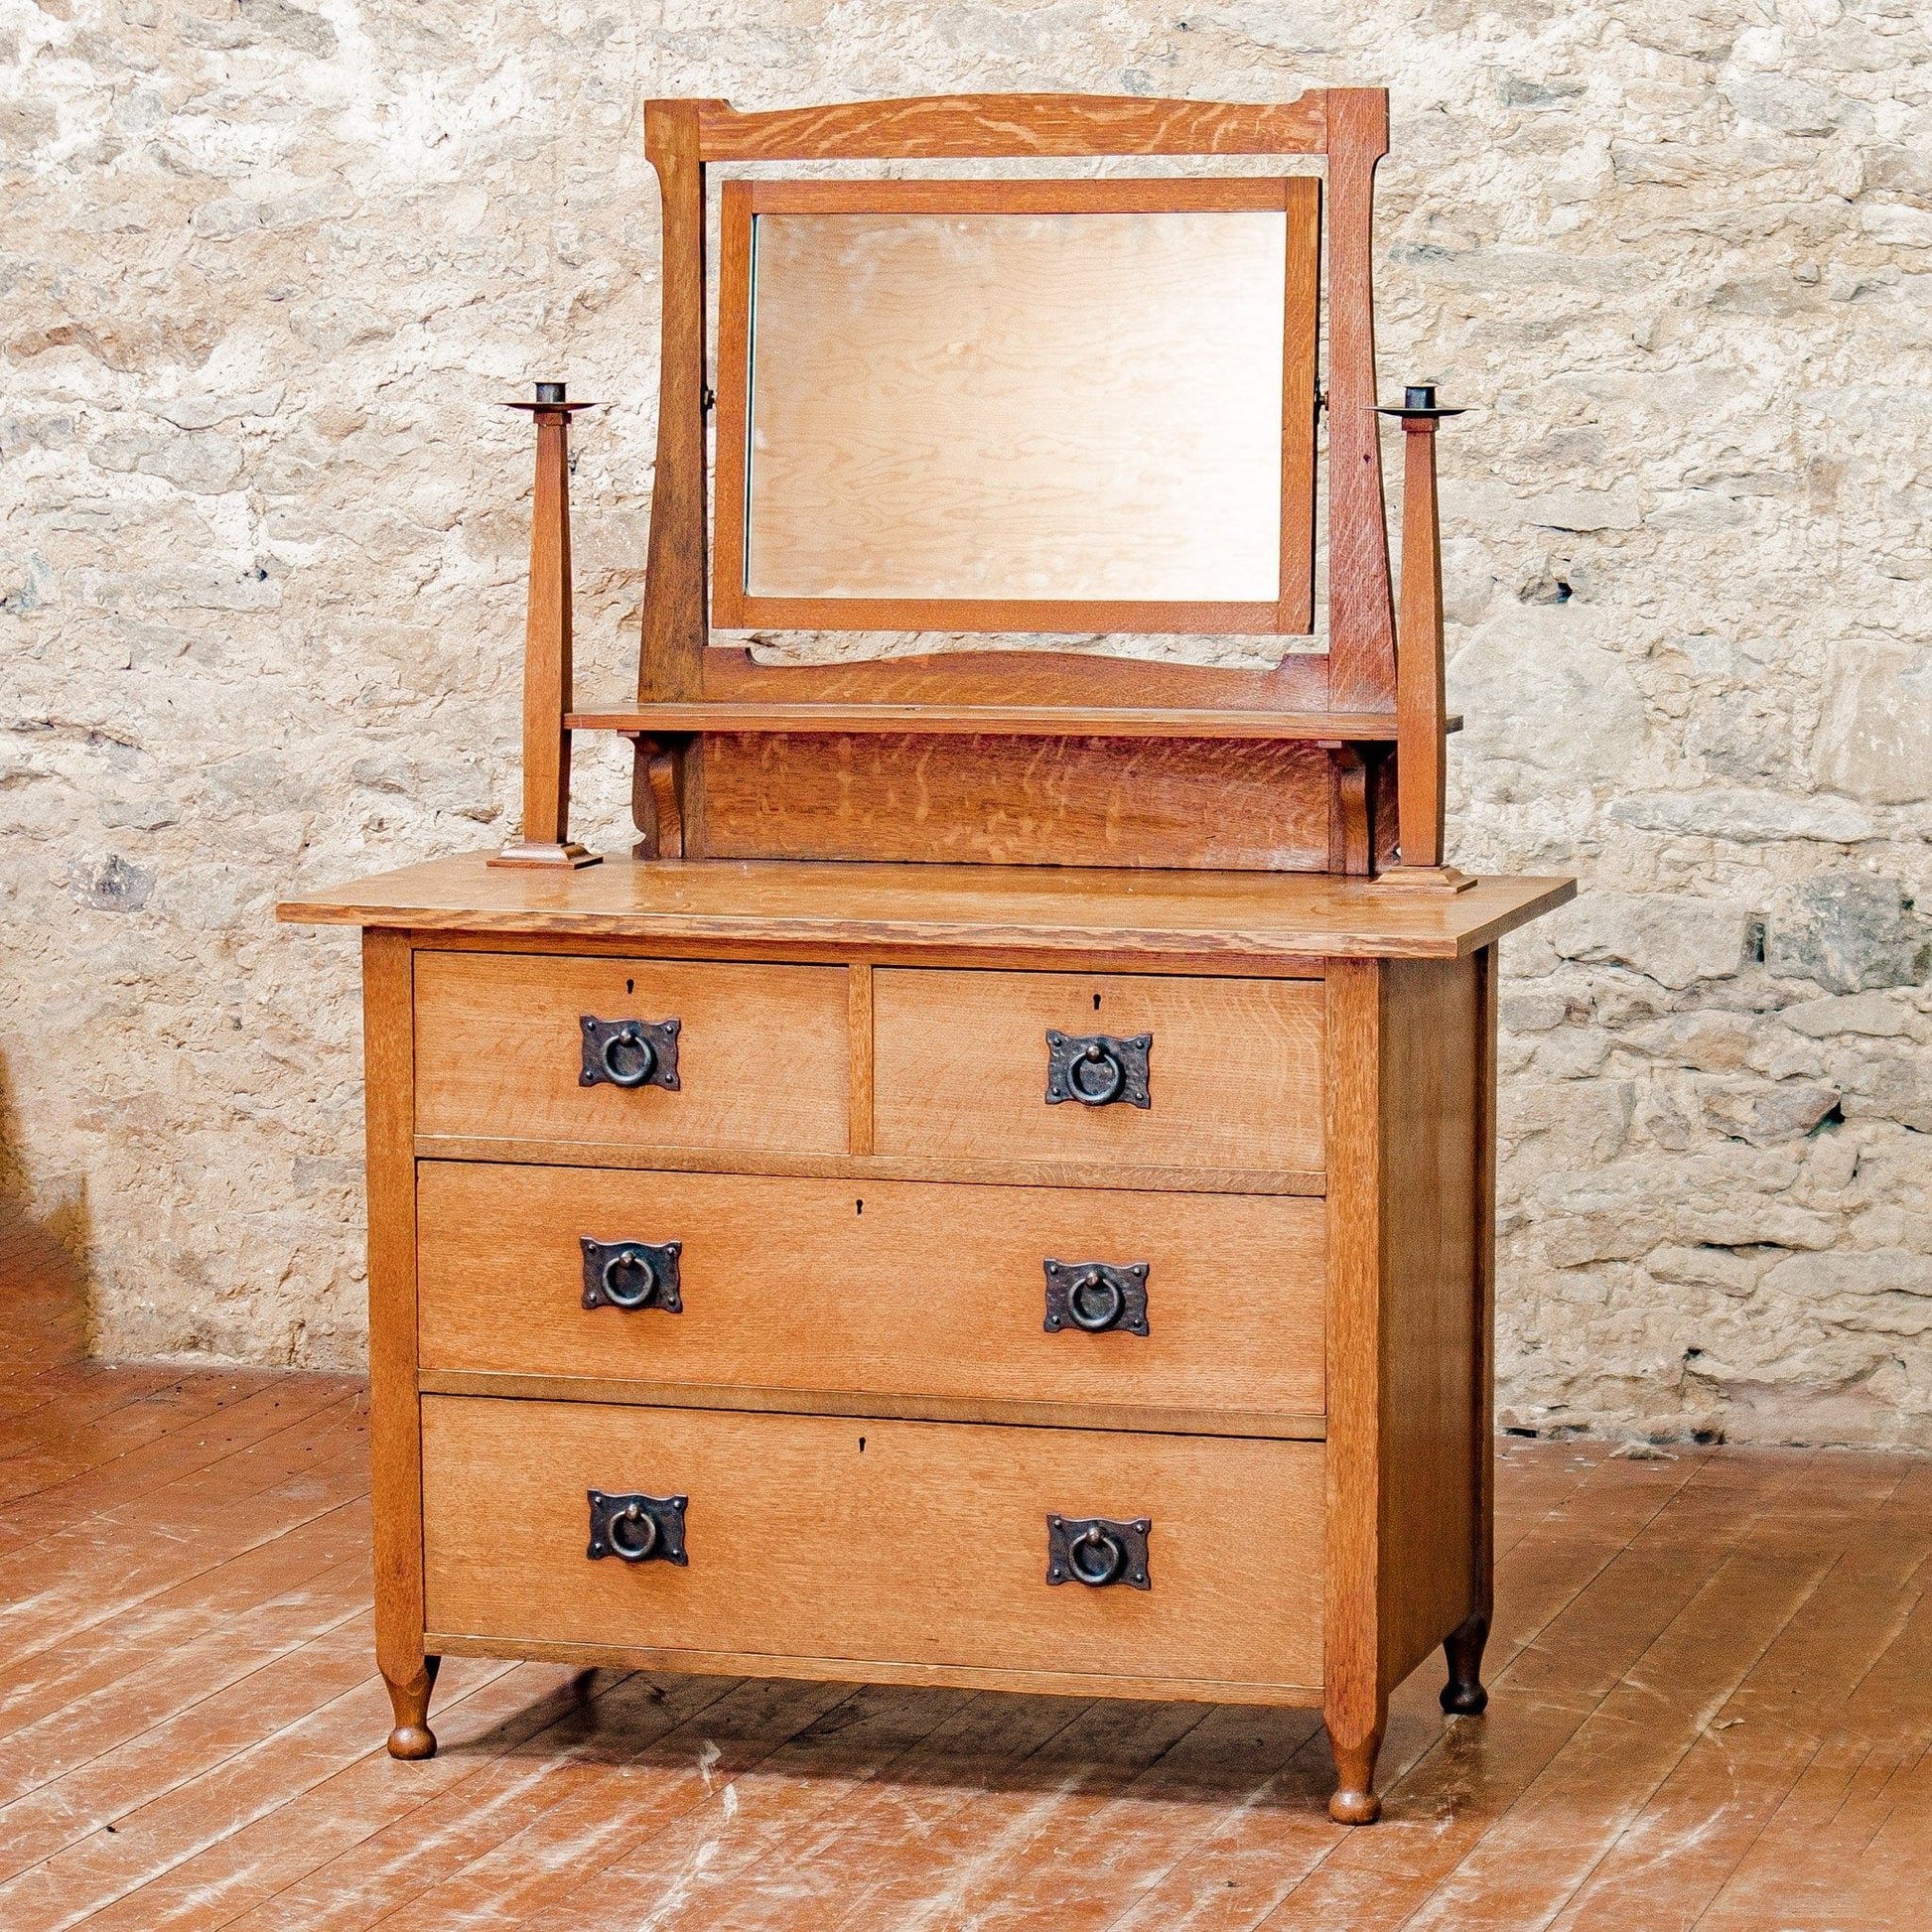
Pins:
x,y
911,1543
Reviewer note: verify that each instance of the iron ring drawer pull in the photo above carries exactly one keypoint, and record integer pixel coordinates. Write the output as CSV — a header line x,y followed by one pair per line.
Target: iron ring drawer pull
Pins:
x,y
1113,1304
638,1528
632,1546
632,1275
1095,1075
607,1055
1097,1069
630,1053
610,1270
1097,1551
1094,1557
1096,1296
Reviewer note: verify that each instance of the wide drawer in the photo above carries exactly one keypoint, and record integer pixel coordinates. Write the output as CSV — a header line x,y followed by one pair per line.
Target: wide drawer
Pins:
x,y
918,1543
891,1287
1234,1068
763,1052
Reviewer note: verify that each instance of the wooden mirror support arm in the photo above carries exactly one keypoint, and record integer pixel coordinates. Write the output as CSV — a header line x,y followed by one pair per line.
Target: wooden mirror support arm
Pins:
x,y
1421,714
545,839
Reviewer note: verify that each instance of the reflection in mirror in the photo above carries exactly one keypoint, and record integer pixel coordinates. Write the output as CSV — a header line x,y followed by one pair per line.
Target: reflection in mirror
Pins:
x,y
1016,406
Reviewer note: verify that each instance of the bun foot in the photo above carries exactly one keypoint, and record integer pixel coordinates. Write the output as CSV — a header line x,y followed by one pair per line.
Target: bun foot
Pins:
x,y
412,1741
1354,1801
1348,1807
412,1738
1464,1695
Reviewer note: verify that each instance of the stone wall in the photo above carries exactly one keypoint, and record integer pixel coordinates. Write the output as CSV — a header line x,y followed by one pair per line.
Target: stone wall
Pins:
x,y
267,265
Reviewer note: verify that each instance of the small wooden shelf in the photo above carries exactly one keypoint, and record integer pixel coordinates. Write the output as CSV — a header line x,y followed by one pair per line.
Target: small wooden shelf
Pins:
x,y
1006,720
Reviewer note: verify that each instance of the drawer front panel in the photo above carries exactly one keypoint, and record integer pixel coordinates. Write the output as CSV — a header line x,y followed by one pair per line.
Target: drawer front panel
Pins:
x,y
1233,1071
886,1286
763,1052
927,1545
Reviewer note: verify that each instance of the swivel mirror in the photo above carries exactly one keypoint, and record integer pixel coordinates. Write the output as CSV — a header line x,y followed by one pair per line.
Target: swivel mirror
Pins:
x,y
1059,405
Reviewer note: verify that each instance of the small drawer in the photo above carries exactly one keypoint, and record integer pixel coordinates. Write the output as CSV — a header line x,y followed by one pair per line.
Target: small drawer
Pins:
x,y
1230,1068
886,1286
503,1048
876,1542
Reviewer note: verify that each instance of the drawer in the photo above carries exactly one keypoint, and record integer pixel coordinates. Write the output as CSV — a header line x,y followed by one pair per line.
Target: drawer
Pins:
x,y
1234,1068
763,1052
918,1543
889,1287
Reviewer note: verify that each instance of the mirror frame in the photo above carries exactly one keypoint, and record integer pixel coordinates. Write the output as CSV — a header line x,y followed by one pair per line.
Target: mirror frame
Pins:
x,y
1291,613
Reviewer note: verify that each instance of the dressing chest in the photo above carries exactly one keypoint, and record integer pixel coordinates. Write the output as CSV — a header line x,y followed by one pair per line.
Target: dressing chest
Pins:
x,y
996,1190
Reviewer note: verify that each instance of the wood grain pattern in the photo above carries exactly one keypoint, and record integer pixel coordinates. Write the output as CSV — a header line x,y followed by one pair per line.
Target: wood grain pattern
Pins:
x,y
1235,1068
1245,916
1465,1690
815,953
858,1056
1362,610
657,779
951,679
395,1456
1137,1419
734,405
927,1547
1006,802
1356,1704
867,1167
1005,1679
972,126
762,1054
1430,1116
1352,811
675,623
1423,771
904,1288
1382,826
1003,721
1081,194
547,676
1300,399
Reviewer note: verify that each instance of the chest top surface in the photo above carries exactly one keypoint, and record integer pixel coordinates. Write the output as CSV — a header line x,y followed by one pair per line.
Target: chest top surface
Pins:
x,y
1254,916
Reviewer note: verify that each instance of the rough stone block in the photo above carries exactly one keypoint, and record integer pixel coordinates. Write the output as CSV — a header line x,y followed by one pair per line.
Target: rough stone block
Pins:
x,y
1848,931
1675,939
1887,1293
1874,741
1876,1016
1763,1115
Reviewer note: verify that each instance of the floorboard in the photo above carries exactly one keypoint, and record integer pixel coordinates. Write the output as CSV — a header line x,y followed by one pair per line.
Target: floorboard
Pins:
x,y
1709,1710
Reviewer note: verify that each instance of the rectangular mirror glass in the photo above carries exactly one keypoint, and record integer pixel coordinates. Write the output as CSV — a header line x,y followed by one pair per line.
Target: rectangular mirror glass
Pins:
x,y
1031,407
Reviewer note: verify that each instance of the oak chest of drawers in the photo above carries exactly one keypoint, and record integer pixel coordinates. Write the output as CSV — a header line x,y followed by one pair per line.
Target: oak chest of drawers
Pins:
x,y
821,1341
996,1190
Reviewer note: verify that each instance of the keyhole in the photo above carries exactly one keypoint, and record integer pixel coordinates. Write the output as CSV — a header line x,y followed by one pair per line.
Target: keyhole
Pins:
x,y
862,1445
1096,1002
859,1207
630,986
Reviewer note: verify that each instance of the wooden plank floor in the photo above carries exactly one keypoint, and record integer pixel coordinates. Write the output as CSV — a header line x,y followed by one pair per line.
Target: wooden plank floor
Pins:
x,y
1711,1707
